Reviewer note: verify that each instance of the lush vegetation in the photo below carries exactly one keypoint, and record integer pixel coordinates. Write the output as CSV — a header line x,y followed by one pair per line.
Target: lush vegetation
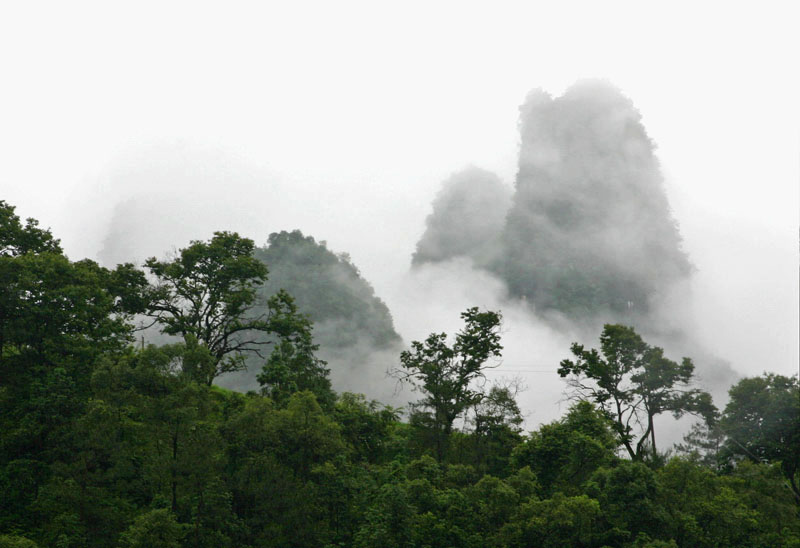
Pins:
x,y
104,443
329,289
350,321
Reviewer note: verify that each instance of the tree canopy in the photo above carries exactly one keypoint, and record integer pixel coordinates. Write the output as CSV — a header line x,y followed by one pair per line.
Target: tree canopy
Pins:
x,y
445,373
107,444
762,423
208,292
293,365
18,239
634,382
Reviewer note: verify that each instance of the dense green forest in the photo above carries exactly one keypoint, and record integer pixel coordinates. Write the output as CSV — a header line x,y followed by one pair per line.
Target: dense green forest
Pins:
x,y
107,443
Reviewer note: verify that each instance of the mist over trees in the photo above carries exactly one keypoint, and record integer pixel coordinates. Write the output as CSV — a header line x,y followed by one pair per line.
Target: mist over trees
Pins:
x,y
105,443
352,326
329,288
234,429
159,198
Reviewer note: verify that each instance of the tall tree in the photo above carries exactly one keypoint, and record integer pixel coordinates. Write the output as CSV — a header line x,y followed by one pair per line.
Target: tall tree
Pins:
x,y
445,374
634,382
208,292
496,431
57,318
762,423
293,365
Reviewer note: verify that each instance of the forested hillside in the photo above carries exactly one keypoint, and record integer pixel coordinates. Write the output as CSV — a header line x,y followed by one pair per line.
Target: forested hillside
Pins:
x,y
352,325
329,288
105,443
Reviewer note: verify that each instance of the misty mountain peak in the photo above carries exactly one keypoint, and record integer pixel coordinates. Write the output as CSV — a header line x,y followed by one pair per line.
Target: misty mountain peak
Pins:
x,y
468,215
588,229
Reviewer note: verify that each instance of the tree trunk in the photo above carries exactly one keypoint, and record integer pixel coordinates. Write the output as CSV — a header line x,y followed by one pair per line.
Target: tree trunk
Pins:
x,y
652,434
174,473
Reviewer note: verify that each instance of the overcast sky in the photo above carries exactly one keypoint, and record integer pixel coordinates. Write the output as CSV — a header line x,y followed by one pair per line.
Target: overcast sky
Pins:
x,y
347,116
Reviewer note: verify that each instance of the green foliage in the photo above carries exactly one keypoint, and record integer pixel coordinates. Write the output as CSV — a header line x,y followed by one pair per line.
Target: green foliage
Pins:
x,y
762,423
366,426
166,450
496,500
388,521
18,239
552,523
14,541
629,496
57,319
207,292
705,510
306,436
444,374
329,288
154,528
565,453
281,452
644,541
293,366
496,431
633,383
103,445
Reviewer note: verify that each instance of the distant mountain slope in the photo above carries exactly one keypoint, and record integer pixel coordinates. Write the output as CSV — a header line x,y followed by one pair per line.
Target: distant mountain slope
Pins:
x,y
329,288
352,326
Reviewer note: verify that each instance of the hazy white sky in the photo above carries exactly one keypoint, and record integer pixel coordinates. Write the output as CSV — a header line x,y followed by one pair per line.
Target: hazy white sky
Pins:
x,y
363,108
